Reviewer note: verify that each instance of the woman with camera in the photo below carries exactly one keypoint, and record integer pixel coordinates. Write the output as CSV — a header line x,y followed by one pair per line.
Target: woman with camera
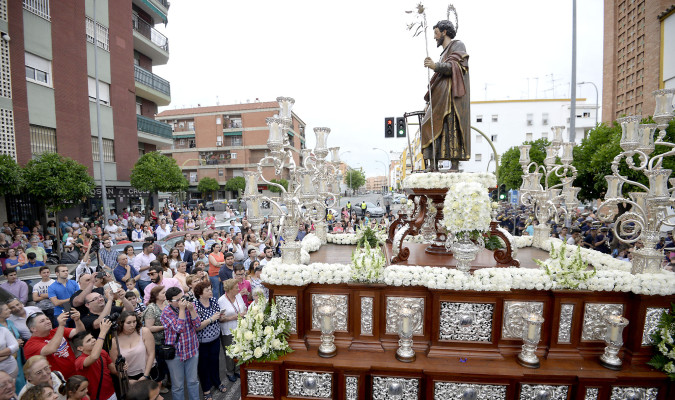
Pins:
x,y
181,322
208,334
136,344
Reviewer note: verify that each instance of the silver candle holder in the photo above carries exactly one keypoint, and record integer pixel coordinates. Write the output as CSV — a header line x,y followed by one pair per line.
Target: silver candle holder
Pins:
x,y
531,336
405,352
327,348
614,340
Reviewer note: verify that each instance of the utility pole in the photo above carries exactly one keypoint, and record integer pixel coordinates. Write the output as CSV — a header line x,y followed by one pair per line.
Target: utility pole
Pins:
x,y
104,194
573,84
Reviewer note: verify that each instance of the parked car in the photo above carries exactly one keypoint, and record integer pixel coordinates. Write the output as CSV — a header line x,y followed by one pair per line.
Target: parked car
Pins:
x,y
193,203
167,243
208,206
224,225
375,211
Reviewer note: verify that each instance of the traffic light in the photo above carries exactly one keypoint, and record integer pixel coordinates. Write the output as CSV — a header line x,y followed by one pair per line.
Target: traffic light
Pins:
x,y
389,127
400,127
502,192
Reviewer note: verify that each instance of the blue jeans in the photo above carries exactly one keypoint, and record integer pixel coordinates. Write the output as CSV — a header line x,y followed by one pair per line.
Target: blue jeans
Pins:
x,y
181,371
215,285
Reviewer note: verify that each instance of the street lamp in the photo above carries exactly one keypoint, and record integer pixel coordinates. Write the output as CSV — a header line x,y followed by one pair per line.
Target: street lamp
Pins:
x,y
388,175
596,99
386,170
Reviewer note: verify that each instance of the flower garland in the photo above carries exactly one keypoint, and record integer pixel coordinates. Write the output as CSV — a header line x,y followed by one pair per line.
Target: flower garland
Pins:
x,y
441,180
261,334
466,210
664,344
311,243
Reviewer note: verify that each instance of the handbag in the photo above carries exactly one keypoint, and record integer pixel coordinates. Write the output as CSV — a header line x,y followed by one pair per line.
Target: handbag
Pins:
x,y
168,351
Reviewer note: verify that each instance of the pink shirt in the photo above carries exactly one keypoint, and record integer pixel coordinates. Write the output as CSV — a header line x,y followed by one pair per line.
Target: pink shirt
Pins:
x,y
166,282
245,285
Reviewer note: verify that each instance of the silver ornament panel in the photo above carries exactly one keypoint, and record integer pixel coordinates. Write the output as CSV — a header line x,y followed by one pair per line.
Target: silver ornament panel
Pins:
x,y
366,315
565,326
384,386
260,383
554,392
352,388
652,317
591,394
455,390
310,384
594,327
287,307
395,304
341,304
633,393
512,323
466,322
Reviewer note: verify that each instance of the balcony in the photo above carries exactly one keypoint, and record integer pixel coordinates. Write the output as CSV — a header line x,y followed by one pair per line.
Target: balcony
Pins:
x,y
158,9
152,87
150,41
154,132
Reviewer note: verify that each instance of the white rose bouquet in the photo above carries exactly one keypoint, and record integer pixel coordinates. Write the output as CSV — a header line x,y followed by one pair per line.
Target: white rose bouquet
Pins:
x,y
311,243
261,335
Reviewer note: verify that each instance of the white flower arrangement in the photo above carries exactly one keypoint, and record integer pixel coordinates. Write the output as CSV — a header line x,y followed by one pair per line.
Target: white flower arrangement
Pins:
x,y
664,344
368,264
441,180
566,270
466,210
311,243
342,238
261,334
304,257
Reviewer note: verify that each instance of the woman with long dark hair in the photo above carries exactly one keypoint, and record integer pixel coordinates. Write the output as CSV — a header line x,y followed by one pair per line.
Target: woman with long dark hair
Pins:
x,y
136,344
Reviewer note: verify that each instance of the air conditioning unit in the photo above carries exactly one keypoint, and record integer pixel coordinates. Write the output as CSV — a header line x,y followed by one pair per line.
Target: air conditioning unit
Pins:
x,y
233,156
219,141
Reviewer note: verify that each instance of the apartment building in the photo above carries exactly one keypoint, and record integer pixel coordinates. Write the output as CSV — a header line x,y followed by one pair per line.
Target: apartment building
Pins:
x,y
376,183
221,142
50,50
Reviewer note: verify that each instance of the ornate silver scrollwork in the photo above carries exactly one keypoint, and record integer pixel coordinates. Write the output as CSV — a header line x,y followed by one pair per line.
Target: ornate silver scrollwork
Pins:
x,y
594,327
634,393
513,324
591,394
310,384
386,388
543,392
352,388
260,383
288,309
341,304
395,304
652,317
565,326
366,315
468,391
466,322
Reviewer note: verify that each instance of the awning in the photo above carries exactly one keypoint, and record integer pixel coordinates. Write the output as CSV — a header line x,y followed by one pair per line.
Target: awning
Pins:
x,y
184,136
238,133
155,9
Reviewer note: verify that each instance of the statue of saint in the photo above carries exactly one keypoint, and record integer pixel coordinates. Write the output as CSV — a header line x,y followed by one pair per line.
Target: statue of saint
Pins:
x,y
449,108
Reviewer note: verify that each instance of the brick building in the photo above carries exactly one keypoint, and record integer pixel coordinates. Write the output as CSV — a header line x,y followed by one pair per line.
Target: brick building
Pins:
x,y
48,88
221,142
376,183
633,55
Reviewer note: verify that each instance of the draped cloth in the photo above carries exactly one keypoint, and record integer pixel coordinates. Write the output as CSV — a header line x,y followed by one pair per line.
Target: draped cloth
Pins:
x,y
451,107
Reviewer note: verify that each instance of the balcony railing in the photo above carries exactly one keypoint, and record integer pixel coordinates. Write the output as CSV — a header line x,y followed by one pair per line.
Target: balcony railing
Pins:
x,y
149,125
149,79
150,32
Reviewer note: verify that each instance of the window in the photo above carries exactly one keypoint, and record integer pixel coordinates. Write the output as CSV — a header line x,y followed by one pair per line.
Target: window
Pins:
x,y
37,7
495,118
528,136
530,118
101,34
544,119
181,142
218,121
479,138
108,149
587,114
5,72
235,141
103,91
478,157
233,156
193,177
42,140
191,126
219,141
493,138
544,135
38,69
221,172
479,118
138,109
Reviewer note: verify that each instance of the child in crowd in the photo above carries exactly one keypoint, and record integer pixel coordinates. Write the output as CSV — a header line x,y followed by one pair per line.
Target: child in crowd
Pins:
x,y
77,388
49,244
131,286
139,307
89,362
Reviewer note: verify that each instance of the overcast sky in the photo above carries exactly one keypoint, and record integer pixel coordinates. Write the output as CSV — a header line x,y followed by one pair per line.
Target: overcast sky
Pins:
x,y
350,64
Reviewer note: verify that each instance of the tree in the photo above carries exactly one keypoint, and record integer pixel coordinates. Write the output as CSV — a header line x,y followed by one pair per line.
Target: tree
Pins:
x,y
57,182
10,176
236,184
207,186
510,171
154,172
282,182
355,178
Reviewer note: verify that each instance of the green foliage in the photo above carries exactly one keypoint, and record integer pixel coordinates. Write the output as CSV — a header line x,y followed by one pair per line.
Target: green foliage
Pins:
x,y
155,172
207,185
10,176
236,184
664,344
282,182
56,181
368,236
567,271
510,171
494,242
355,178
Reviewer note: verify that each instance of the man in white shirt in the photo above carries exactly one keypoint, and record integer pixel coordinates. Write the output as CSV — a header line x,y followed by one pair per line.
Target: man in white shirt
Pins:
x,y
111,228
162,230
19,316
269,253
142,265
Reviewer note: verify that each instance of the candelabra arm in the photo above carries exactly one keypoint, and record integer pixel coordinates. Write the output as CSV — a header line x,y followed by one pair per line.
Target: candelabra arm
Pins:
x,y
629,156
262,178
659,158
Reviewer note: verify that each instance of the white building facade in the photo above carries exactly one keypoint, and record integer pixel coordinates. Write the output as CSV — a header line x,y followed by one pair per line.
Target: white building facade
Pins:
x,y
509,123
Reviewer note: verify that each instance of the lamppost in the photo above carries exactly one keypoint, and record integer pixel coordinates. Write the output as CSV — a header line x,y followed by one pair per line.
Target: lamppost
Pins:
x,y
596,99
388,174
385,171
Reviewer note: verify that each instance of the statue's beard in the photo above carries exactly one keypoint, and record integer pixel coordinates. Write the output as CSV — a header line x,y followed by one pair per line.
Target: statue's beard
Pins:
x,y
439,41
